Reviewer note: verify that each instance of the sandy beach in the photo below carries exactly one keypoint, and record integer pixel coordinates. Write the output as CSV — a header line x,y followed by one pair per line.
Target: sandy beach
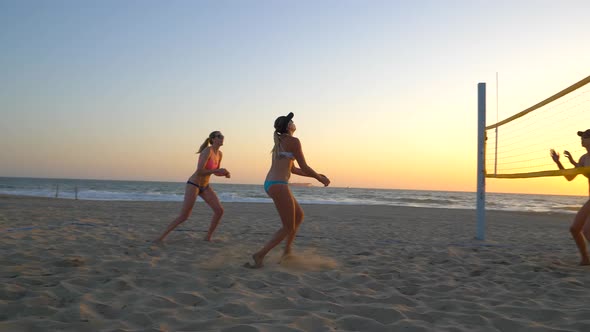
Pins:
x,y
71,265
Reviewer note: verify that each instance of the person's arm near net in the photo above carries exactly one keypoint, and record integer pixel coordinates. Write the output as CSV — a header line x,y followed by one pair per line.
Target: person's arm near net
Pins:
x,y
583,163
568,155
555,157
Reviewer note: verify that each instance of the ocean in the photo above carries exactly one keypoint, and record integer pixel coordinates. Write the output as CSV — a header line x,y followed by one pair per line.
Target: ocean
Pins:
x,y
174,191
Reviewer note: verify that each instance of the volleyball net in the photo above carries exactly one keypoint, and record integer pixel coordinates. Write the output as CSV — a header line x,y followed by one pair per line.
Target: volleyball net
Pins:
x,y
519,146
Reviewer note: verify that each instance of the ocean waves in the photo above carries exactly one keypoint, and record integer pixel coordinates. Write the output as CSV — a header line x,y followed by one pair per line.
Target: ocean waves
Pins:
x,y
248,193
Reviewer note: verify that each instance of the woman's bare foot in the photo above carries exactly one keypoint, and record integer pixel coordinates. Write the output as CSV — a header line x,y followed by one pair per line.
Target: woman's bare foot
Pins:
x,y
286,252
257,262
286,255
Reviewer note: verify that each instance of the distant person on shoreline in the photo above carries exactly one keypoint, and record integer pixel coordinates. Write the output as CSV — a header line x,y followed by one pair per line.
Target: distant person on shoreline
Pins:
x,y
286,150
198,185
580,228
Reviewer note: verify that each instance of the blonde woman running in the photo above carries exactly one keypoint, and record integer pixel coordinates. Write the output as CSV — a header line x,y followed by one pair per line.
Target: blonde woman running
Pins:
x,y
287,149
198,185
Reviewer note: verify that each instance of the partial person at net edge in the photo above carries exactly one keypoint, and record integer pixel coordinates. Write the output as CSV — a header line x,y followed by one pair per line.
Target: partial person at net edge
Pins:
x,y
198,185
287,149
580,228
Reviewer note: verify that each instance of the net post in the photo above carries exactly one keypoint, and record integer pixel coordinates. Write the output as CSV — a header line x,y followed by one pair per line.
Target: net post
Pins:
x,y
481,178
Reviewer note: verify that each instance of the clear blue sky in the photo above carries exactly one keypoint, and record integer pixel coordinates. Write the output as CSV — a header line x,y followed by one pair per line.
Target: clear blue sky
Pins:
x,y
384,92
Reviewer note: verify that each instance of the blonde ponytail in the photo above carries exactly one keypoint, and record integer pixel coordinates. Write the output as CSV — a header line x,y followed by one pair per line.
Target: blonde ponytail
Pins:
x,y
277,146
204,145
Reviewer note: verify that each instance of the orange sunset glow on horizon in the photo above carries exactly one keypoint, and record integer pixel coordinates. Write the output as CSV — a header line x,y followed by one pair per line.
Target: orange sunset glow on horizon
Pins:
x,y
384,93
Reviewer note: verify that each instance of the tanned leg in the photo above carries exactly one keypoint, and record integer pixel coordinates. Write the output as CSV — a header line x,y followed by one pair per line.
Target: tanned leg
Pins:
x,y
579,228
298,220
190,196
210,197
285,204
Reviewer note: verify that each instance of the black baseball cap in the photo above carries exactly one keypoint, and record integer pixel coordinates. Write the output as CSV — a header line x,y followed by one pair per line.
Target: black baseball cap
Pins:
x,y
584,134
282,123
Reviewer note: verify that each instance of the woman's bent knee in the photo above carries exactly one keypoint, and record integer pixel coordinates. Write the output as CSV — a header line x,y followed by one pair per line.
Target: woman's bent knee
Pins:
x,y
298,220
184,214
289,229
218,212
299,215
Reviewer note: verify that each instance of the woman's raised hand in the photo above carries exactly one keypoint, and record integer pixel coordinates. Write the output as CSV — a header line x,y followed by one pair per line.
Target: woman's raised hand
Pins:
x,y
554,155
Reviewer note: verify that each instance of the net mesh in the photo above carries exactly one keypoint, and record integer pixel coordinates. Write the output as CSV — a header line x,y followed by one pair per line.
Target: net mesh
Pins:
x,y
519,146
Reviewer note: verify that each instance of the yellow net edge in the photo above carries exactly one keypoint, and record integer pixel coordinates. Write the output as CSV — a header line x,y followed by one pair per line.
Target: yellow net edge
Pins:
x,y
556,96
557,172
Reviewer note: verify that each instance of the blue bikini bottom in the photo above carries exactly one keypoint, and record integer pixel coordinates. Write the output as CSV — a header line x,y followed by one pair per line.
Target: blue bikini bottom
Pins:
x,y
269,183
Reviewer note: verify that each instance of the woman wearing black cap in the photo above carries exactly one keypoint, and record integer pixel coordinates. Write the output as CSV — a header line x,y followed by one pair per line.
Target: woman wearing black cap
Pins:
x,y
580,228
198,185
287,149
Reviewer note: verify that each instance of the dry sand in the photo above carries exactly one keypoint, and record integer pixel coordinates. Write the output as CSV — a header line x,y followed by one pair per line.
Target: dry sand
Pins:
x,y
90,266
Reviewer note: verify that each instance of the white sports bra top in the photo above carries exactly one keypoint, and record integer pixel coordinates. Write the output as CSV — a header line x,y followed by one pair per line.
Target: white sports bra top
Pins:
x,y
285,154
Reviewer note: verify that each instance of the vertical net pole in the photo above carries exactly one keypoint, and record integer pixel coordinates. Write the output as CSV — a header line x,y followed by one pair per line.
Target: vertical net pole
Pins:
x,y
481,176
496,134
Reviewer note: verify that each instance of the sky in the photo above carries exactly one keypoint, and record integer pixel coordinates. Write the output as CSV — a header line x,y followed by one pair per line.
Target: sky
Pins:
x,y
384,92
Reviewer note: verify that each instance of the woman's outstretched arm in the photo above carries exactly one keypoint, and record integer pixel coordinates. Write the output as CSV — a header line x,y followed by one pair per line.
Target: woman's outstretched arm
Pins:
x,y
555,157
